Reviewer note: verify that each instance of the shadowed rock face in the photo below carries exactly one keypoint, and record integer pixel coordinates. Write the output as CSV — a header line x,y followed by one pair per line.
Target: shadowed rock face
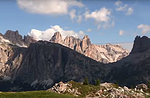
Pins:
x,y
28,40
14,37
135,68
46,63
141,44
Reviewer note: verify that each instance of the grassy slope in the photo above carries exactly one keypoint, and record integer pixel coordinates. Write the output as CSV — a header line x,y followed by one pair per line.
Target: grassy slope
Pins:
x,y
83,89
33,94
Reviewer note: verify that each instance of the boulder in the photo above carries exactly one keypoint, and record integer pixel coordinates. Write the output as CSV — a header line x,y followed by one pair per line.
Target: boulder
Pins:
x,y
142,86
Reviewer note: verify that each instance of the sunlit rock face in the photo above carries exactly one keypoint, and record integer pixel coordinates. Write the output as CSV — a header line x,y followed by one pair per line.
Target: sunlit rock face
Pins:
x,y
103,53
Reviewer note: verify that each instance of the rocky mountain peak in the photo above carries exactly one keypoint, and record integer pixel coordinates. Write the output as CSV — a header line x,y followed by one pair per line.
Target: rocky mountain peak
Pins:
x,y
71,41
103,53
57,38
28,39
85,42
141,44
13,36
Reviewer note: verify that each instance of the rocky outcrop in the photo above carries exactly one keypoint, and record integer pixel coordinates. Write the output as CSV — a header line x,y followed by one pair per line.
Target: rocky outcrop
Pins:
x,y
104,90
111,91
142,87
103,53
64,88
141,44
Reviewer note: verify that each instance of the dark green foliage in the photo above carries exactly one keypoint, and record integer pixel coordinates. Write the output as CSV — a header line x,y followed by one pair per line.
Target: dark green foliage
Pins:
x,y
84,89
148,84
97,82
86,82
115,85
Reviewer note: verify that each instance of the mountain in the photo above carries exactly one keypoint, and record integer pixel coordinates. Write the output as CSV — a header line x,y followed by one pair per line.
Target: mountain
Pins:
x,y
135,68
103,53
141,44
43,63
15,38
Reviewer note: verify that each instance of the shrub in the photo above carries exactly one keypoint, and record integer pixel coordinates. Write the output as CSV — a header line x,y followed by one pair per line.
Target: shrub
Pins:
x,y
86,82
97,82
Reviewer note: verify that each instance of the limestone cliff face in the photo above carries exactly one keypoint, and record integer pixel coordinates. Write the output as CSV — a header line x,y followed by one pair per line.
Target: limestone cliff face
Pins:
x,y
71,42
103,53
85,43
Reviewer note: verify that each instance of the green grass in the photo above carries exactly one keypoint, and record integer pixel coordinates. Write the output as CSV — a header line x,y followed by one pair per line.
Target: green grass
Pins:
x,y
34,94
84,89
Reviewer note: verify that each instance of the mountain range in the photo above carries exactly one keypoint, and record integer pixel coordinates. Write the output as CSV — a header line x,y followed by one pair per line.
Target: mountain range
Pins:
x,y
43,63
107,53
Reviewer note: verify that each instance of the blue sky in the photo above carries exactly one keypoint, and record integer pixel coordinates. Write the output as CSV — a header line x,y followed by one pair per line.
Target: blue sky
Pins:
x,y
104,21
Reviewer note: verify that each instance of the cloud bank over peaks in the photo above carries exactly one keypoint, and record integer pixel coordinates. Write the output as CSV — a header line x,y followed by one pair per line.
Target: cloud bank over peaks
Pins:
x,y
52,7
47,34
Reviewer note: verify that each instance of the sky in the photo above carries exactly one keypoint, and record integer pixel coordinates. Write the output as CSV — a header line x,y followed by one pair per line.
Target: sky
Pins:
x,y
104,21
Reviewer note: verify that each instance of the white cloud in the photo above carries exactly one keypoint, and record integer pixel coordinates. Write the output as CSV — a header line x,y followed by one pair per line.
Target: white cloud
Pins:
x,y
130,11
47,34
72,14
145,28
121,32
52,7
118,3
89,30
124,8
102,15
